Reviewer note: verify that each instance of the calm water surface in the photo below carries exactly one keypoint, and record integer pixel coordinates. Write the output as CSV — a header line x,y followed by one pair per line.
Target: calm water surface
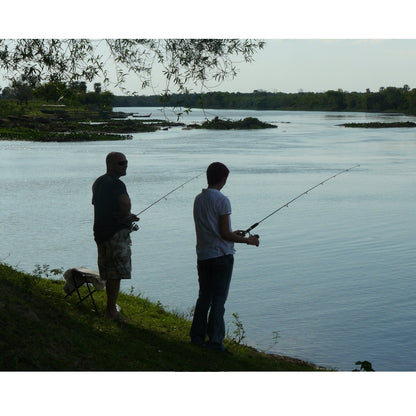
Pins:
x,y
334,276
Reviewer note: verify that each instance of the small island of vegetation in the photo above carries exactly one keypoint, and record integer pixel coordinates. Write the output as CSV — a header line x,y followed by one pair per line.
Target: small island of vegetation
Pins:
x,y
378,125
247,123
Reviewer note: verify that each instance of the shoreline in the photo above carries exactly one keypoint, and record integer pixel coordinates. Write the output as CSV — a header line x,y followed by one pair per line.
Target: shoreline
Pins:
x,y
46,331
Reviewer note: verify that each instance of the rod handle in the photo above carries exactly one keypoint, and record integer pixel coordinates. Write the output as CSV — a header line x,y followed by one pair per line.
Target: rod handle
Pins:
x,y
250,228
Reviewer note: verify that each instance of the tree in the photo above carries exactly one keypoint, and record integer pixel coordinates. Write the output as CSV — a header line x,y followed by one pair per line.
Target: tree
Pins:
x,y
51,91
411,99
7,93
79,86
21,91
393,98
336,100
183,61
97,88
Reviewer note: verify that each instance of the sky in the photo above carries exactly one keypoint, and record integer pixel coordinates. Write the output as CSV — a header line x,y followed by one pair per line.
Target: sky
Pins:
x,y
320,65
313,65
310,46
291,65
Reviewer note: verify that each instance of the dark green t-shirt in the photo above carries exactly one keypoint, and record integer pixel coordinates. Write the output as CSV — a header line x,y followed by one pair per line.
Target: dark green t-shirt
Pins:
x,y
106,191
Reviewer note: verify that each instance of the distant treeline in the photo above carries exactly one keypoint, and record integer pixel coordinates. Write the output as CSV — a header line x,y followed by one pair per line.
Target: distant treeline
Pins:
x,y
389,99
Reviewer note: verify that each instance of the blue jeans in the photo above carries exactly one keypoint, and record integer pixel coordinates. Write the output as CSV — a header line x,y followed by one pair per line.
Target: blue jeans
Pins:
x,y
214,276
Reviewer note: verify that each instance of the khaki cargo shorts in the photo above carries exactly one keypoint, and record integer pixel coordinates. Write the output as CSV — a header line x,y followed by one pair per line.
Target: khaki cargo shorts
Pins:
x,y
114,256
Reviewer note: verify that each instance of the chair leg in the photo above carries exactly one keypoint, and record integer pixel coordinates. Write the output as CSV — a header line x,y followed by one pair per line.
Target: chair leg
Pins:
x,y
90,292
91,296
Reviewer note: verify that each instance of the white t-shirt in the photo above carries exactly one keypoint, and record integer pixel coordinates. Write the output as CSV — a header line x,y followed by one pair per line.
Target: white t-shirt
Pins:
x,y
209,205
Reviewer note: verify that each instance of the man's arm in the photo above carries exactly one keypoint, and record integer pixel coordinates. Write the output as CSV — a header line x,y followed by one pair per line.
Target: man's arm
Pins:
x,y
125,208
235,236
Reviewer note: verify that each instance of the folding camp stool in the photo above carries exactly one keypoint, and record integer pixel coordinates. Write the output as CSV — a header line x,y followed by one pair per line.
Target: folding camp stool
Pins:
x,y
79,276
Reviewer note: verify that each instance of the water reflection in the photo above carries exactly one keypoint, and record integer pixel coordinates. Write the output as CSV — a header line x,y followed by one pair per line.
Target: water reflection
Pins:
x,y
335,271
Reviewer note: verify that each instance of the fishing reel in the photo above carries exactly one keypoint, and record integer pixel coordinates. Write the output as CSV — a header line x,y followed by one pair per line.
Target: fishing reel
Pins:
x,y
134,226
248,235
244,233
253,235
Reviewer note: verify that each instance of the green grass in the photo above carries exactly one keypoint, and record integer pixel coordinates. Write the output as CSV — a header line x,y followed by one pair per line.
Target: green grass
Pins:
x,y
41,330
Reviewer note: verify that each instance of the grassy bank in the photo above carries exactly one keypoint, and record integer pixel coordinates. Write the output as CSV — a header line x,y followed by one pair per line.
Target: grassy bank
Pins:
x,y
41,330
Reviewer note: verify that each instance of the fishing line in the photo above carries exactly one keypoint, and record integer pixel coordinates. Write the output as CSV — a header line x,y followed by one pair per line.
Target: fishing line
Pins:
x,y
294,199
135,227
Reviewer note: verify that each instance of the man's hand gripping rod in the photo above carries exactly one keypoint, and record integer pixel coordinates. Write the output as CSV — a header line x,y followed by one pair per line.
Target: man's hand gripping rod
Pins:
x,y
294,199
135,227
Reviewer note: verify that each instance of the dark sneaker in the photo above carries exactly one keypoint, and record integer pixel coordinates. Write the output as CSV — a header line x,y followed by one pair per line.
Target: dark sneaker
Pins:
x,y
217,347
197,342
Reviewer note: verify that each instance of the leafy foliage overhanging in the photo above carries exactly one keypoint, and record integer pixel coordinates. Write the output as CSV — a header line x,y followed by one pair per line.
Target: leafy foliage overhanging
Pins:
x,y
183,61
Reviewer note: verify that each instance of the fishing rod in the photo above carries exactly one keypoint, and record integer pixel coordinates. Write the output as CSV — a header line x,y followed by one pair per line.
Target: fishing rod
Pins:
x,y
135,227
294,199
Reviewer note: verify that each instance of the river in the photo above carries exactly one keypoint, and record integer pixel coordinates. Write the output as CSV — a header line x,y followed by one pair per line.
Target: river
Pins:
x,y
333,281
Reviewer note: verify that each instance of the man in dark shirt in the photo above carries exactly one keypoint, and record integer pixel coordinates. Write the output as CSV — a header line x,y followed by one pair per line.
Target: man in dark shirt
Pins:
x,y
112,226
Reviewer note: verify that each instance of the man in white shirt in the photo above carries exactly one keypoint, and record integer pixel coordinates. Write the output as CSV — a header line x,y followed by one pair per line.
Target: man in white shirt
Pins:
x,y
215,253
